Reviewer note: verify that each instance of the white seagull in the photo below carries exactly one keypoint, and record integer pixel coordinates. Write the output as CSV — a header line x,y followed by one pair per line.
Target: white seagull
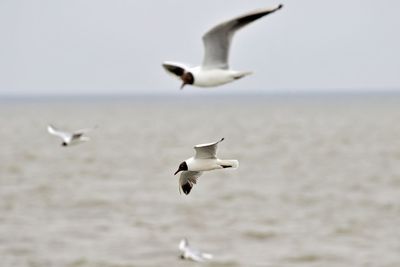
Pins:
x,y
205,159
191,253
68,137
214,70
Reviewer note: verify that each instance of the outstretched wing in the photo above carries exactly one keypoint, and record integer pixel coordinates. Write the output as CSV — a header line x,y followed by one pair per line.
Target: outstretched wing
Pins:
x,y
54,131
80,133
183,244
84,130
207,151
187,180
217,41
174,68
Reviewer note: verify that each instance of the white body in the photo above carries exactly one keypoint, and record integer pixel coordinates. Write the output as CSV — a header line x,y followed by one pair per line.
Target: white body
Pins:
x,y
191,253
76,141
210,164
215,77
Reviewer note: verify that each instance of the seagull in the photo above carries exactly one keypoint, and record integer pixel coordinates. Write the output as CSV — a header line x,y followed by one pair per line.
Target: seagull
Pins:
x,y
70,138
215,70
192,254
205,159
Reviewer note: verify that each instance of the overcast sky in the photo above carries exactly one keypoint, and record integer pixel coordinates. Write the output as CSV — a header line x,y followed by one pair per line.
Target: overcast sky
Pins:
x,y
117,46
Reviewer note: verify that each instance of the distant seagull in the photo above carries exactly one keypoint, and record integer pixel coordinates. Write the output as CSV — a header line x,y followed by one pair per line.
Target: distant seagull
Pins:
x,y
192,254
70,138
215,68
205,159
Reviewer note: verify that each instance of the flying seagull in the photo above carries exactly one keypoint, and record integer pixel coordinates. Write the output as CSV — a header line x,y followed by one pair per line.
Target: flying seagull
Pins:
x,y
215,70
68,137
205,159
191,253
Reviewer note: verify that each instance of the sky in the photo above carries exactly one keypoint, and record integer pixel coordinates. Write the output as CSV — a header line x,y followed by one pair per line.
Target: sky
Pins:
x,y
117,46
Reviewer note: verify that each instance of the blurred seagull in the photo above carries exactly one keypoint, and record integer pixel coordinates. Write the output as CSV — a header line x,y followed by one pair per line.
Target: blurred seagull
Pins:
x,y
214,70
192,254
205,159
70,138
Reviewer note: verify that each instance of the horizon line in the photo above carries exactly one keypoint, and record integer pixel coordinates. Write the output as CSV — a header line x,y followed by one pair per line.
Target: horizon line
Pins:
x,y
206,93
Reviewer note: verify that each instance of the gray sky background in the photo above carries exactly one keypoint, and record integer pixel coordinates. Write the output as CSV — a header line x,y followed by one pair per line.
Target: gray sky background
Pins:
x,y
117,46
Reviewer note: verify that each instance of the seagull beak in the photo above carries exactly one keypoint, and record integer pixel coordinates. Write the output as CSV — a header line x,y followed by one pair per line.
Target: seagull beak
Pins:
x,y
183,85
177,171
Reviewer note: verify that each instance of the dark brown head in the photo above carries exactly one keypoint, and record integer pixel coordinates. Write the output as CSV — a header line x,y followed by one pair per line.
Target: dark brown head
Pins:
x,y
187,78
182,167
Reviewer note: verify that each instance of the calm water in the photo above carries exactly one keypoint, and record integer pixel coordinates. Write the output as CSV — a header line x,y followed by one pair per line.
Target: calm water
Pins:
x,y
318,182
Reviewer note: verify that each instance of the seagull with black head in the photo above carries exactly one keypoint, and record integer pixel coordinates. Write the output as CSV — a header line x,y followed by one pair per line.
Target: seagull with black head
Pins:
x,y
205,159
215,70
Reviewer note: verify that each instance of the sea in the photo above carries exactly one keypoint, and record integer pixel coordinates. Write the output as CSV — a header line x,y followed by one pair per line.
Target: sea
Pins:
x,y
318,182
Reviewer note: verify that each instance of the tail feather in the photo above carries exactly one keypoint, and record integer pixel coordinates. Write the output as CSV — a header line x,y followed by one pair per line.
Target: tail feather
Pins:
x,y
242,74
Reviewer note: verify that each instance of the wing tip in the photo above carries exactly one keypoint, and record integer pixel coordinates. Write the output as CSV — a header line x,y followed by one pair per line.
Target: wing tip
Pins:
x,y
186,188
174,68
271,10
165,65
208,144
50,128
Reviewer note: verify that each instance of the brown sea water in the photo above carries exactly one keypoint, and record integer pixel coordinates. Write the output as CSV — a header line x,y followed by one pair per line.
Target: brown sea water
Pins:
x,y
318,182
